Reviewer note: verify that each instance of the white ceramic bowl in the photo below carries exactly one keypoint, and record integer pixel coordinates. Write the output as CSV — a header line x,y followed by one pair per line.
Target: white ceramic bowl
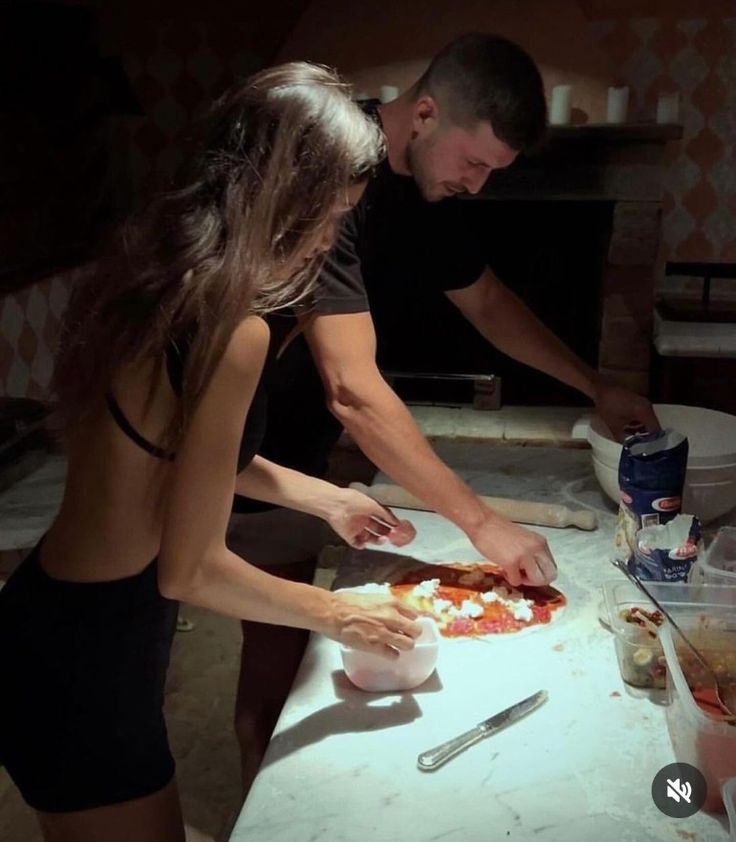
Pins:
x,y
710,483
380,675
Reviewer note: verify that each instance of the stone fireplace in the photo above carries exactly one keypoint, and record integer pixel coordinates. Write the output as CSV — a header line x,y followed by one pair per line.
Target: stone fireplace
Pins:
x,y
623,165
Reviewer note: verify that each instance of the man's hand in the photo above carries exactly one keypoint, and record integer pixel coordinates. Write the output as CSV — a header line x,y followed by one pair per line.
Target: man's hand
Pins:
x,y
624,411
523,555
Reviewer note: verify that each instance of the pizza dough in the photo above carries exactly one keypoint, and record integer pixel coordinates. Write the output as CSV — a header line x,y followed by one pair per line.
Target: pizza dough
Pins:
x,y
472,600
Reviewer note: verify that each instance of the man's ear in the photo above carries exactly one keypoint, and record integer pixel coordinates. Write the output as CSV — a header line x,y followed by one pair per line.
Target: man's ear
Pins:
x,y
425,114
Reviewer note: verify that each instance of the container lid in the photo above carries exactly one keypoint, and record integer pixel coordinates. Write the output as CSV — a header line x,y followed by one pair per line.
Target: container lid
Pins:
x,y
676,597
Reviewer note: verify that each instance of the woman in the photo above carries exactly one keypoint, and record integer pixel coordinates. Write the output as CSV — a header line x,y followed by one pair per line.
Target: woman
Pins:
x,y
158,369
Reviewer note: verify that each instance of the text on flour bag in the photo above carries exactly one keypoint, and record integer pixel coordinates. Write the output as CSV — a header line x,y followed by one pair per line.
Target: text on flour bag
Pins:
x,y
651,476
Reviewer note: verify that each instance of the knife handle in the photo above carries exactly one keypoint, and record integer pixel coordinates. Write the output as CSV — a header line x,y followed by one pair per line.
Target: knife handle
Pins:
x,y
429,760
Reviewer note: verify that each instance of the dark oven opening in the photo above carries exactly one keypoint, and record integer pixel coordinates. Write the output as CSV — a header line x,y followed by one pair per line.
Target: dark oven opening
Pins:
x,y
552,255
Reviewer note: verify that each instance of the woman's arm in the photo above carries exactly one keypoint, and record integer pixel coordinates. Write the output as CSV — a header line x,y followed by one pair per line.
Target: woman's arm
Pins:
x,y
272,483
355,517
194,563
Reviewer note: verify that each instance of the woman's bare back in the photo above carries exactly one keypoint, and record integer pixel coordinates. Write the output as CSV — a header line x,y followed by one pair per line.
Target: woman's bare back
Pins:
x,y
109,525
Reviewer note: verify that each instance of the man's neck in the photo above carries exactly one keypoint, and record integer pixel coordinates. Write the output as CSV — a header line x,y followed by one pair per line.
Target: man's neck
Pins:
x,y
396,121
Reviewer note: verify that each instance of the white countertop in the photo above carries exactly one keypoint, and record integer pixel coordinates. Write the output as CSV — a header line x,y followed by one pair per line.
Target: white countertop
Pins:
x,y
342,763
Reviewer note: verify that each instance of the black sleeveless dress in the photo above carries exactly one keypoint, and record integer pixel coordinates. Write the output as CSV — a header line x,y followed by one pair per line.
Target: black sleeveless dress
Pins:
x,y
84,664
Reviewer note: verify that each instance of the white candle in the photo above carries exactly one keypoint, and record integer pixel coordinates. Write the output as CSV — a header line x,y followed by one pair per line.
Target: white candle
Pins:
x,y
388,92
668,107
618,105
559,110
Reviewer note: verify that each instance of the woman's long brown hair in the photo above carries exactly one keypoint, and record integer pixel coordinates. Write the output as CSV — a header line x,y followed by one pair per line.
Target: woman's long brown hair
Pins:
x,y
280,151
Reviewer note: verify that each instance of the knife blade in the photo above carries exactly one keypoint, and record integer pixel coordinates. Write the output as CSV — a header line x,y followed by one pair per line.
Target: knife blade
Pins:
x,y
430,760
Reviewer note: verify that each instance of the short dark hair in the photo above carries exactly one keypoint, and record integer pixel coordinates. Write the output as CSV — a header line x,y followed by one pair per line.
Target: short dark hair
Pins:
x,y
480,76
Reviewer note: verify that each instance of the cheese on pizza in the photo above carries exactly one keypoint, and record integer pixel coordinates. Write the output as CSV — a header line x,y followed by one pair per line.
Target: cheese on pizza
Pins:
x,y
473,601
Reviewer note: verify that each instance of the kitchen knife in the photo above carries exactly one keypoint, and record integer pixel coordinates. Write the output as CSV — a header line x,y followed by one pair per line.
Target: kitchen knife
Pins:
x,y
428,761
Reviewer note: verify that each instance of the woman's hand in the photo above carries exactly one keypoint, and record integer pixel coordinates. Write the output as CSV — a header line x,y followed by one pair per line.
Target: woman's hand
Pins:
x,y
360,521
372,622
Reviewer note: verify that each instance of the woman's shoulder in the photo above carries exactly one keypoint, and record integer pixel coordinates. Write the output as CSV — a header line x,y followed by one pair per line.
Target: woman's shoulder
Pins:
x,y
248,344
253,328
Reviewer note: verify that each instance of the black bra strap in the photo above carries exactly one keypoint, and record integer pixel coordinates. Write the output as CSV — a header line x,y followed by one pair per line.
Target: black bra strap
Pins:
x,y
133,434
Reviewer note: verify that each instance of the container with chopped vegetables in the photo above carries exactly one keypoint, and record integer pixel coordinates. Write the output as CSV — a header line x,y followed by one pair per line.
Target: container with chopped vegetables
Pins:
x,y
636,622
640,655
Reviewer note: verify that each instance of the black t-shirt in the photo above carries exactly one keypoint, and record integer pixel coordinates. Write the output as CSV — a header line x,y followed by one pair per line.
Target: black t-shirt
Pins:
x,y
391,247
395,242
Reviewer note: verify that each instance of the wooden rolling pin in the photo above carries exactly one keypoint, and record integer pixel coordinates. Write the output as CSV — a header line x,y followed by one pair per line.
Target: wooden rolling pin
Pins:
x,y
520,511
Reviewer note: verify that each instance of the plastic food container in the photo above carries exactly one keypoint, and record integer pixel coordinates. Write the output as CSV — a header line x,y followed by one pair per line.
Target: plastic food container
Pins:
x,y
379,675
640,655
697,738
710,482
718,565
729,799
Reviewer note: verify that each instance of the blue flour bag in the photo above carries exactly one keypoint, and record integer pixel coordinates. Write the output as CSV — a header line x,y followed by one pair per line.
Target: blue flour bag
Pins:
x,y
651,475
667,552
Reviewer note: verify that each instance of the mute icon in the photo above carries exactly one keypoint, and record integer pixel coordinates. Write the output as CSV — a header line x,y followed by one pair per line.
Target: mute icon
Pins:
x,y
677,791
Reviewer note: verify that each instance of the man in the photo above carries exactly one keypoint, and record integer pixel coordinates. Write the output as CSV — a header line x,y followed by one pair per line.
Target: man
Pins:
x,y
478,105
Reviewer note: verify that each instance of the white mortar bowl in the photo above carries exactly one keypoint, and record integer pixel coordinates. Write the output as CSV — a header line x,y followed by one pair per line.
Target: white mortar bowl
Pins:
x,y
710,482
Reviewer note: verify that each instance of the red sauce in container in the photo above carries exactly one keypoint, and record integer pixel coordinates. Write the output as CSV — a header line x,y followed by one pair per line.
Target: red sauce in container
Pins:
x,y
713,754
701,735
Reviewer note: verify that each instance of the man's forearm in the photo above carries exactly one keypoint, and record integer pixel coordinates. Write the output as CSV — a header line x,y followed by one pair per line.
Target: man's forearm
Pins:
x,y
385,431
512,328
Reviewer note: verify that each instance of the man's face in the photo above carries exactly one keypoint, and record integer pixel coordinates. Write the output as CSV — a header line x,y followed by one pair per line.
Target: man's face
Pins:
x,y
446,160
